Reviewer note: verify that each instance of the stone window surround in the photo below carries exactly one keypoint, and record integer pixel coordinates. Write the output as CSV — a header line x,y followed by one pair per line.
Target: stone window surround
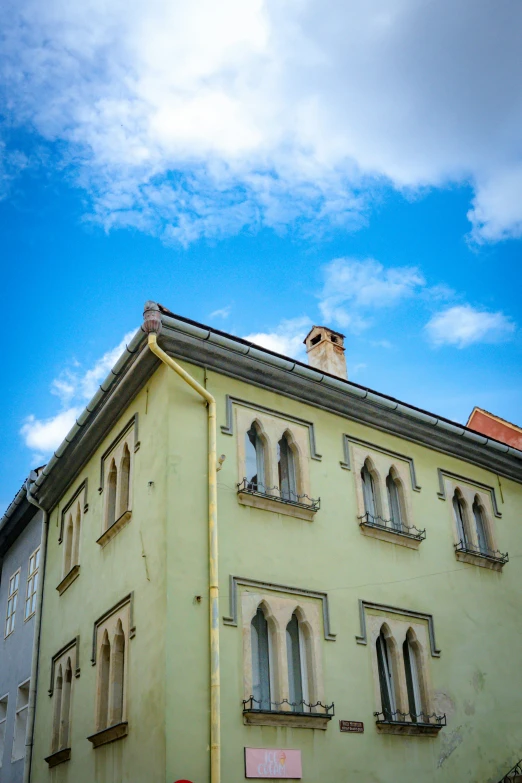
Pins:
x,y
128,436
272,428
278,609
121,612
468,490
397,627
77,503
70,650
380,464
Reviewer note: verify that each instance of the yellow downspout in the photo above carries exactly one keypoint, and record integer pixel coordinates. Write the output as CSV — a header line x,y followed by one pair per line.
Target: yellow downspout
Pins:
x,y
215,727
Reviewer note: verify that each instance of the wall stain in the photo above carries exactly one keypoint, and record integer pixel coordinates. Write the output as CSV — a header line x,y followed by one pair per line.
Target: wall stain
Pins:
x,y
478,681
450,743
469,708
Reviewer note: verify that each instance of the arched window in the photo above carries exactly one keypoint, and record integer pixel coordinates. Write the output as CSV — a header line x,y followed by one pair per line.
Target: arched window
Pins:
x,y
395,501
286,469
103,690
111,497
117,677
411,666
261,661
480,523
459,510
124,482
255,460
69,535
297,664
369,495
66,706
76,546
57,695
386,682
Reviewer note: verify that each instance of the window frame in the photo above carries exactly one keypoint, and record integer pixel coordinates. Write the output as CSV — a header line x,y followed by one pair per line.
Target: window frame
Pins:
x,y
10,619
18,711
32,577
3,726
469,548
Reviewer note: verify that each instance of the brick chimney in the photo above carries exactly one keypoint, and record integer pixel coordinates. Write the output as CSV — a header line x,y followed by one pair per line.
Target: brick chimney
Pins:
x,y
325,349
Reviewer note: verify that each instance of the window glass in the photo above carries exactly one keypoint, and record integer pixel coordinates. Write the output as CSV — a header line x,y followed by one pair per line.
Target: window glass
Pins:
x,y
260,662
22,703
368,493
458,509
394,501
480,523
32,585
255,459
386,678
286,469
412,680
295,664
12,600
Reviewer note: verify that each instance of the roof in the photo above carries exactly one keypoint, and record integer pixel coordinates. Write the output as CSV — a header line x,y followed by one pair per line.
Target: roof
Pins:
x,y
494,426
15,519
233,356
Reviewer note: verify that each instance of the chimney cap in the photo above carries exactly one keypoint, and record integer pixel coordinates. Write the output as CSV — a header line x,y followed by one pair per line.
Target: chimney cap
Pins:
x,y
326,329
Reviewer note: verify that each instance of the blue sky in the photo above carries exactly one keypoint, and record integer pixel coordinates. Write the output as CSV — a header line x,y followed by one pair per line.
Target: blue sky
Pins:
x,y
260,171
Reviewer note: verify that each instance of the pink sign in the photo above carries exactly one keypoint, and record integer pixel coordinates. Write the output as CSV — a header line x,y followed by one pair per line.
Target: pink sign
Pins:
x,y
272,763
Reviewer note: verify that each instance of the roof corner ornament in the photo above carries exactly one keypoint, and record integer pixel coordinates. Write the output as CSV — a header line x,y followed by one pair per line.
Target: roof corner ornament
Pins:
x,y
151,318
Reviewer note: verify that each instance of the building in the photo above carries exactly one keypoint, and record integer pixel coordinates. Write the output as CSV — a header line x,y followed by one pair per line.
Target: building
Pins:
x,y
363,619
20,553
494,427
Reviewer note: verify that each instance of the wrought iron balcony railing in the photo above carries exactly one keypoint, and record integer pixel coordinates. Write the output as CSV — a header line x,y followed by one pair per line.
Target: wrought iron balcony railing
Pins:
x,y
421,719
514,774
280,496
295,707
410,531
487,554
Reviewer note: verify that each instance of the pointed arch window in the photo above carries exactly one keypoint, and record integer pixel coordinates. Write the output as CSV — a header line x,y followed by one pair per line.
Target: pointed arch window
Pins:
x,y
286,469
297,655
112,483
386,680
65,714
69,536
255,459
369,494
395,502
57,696
123,505
261,661
117,677
103,683
459,510
411,667
480,524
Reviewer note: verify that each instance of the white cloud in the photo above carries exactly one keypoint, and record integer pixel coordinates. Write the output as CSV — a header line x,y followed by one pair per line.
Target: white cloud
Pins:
x,y
464,325
352,289
287,338
198,119
224,312
75,389
45,435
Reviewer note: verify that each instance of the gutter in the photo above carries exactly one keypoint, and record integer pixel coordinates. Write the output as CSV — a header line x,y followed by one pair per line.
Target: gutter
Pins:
x,y
175,323
31,707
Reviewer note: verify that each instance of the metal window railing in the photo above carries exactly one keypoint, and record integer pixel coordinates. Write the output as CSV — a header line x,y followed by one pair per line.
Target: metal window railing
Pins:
x,y
296,707
514,774
410,531
411,718
280,496
488,554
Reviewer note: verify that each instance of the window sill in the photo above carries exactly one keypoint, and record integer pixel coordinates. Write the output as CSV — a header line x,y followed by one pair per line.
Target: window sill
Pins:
x,y
276,505
68,579
409,729
393,537
293,720
114,529
113,733
479,560
59,757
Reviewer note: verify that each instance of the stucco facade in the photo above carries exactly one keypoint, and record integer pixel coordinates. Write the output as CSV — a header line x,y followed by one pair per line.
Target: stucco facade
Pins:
x,y
16,648
343,584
